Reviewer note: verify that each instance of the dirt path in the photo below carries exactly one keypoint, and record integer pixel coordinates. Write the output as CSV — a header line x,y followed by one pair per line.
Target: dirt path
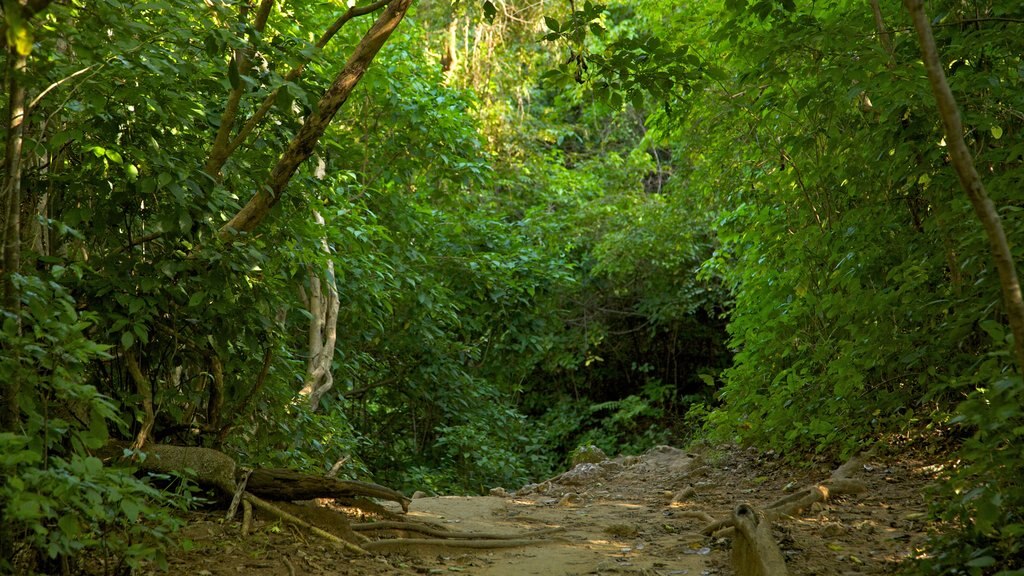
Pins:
x,y
633,515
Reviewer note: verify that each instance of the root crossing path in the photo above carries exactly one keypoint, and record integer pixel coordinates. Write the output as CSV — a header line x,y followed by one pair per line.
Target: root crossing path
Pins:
x,y
663,513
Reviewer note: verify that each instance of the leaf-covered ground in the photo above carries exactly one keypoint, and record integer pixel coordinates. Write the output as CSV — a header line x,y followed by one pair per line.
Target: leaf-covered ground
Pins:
x,y
632,515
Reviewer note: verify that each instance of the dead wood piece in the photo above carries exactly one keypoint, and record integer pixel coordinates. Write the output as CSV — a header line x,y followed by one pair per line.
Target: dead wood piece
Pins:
x,y
284,484
233,508
285,516
403,544
217,469
802,500
444,533
840,483
327,519
246,517
754,551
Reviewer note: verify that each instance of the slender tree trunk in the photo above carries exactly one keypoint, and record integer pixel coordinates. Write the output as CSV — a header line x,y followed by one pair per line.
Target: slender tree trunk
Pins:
x,y
963,163
323,329
242,62
884,37
215,404
10,210
302,145
144,388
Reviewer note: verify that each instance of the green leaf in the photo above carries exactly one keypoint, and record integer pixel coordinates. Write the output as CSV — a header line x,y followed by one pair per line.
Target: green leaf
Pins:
x,y
114,156
69,526
490,11
131,509
552,24
127,340
27,508
997,132
233,76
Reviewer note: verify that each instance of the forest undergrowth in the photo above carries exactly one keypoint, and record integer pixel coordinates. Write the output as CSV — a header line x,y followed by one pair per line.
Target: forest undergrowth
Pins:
x,y
441,247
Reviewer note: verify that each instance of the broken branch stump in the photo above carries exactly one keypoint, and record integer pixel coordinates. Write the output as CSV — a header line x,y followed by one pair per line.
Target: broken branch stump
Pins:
x,y
754,551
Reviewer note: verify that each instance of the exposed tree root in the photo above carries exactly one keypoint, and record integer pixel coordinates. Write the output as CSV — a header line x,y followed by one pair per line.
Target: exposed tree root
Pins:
x,y
755,553
703,516
442,533
252,488
840,483
279,513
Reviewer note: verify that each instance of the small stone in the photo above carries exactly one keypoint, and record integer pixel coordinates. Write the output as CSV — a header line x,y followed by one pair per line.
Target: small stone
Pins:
x,y
833,529
499,492
570,499
419,494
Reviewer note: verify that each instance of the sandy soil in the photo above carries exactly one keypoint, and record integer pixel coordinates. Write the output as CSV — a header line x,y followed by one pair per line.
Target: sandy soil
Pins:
x,y
631,515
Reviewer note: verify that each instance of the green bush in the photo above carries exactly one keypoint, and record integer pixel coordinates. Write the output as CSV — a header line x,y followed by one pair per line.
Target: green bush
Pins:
x,y
59,503
983,498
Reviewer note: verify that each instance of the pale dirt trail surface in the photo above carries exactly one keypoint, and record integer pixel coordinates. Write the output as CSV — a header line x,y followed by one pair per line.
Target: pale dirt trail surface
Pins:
x,y
631,515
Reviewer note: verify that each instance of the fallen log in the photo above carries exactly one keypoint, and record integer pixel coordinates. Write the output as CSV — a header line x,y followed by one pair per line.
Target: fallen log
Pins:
x,y
284,484
216,469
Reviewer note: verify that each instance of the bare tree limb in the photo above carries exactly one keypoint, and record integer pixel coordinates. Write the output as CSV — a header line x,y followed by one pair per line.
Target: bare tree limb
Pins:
x,y
884,37
324,305
242,61
57,84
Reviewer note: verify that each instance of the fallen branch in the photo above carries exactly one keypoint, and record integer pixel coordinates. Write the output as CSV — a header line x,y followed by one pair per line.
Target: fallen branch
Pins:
x,y
838,484
442,533
218,470
284,484
292,519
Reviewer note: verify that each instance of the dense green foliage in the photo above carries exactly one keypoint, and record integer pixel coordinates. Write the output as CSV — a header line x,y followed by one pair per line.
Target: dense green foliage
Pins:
x,y
616,227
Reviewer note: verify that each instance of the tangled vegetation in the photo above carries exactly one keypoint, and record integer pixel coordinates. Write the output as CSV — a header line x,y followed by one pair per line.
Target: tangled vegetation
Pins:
x,y
443,245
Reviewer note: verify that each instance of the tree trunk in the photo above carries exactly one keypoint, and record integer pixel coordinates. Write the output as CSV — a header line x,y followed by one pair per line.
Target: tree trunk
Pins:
x,y
10,210
323,329
301,146
242,62
963,163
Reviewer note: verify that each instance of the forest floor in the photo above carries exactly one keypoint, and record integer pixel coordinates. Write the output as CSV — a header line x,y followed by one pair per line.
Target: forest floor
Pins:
x,y
632,515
